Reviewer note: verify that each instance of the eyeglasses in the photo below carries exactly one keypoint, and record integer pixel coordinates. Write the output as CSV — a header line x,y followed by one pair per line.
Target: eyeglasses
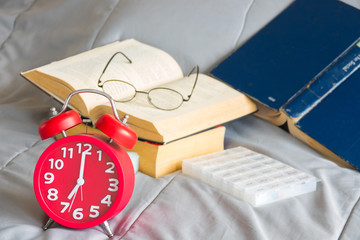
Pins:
x,y
160,97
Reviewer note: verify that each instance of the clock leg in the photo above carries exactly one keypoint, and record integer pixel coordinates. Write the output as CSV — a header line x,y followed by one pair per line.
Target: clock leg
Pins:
x,y
107,229
48,224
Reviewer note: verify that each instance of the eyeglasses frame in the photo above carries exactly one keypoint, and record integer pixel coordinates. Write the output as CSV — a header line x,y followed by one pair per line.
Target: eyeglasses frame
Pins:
x,y
101,85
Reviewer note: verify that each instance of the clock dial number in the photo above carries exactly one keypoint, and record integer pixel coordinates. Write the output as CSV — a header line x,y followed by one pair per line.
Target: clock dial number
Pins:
x,y
65,150
52,194
85,145
58,164
49,177
66,205
94,211
111,168
77,213
99,155
113,185
106,200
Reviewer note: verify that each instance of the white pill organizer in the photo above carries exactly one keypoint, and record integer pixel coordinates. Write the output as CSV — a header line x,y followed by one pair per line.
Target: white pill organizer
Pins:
x,y
249,176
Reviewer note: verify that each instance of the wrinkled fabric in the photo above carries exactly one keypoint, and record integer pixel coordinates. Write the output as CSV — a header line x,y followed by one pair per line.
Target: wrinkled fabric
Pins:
x,y
36,32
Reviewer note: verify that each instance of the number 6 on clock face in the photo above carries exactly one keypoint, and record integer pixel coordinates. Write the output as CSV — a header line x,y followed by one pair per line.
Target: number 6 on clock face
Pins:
x,y
81,181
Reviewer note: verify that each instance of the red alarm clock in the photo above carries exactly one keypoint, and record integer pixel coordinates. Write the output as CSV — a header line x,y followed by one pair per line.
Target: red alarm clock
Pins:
x,y
83,180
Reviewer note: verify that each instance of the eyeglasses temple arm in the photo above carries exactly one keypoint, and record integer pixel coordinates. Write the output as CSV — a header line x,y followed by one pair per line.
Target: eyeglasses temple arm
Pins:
x,y
107,64
196,79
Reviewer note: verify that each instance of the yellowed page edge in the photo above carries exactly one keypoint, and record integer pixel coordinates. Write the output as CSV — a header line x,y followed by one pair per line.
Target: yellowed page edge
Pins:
x,y
296,132
203,143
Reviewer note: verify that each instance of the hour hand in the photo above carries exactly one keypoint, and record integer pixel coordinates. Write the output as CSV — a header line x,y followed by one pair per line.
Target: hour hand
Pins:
x,y
79,183
73,191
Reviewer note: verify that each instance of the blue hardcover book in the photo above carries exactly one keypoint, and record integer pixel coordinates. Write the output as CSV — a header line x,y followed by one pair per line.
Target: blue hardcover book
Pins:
x,y
325,113
294,70
324,83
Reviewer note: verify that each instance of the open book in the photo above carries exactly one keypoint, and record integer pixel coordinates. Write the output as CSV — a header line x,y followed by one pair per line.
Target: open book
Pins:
x,y
212,102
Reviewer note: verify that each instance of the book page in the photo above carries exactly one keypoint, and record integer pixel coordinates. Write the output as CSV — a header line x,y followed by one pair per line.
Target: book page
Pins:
x,y
150,67
213,102
208,91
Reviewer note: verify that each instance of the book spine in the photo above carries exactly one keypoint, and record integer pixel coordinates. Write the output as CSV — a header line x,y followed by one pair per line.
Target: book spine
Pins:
x,y
324,83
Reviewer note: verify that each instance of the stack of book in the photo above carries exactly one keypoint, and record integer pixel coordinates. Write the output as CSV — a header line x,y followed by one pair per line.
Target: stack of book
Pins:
x,y
166,137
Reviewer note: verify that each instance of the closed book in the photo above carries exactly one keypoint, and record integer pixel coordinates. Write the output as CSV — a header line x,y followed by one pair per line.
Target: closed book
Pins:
x,y
294,70
159,159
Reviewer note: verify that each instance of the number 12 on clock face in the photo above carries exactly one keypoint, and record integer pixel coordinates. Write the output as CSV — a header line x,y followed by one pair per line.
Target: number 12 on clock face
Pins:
x,y
81,181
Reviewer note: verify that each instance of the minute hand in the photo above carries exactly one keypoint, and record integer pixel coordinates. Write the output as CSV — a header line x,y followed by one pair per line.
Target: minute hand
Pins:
x,y
80,181
82,166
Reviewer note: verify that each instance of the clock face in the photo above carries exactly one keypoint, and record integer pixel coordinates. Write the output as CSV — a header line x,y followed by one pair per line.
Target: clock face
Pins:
x,y
79,182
